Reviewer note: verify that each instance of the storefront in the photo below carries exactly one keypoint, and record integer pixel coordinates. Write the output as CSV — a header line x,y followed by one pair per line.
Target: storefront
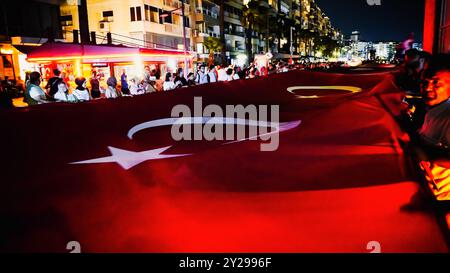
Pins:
x,y
13,64
75,60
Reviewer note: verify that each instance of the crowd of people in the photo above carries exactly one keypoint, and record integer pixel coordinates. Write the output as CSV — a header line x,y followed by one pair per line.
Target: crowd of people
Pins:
x,y
58,88
426,82
424,78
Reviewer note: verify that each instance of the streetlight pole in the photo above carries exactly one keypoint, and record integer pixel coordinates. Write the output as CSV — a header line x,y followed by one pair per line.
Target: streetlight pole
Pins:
x,y
291,61
185,46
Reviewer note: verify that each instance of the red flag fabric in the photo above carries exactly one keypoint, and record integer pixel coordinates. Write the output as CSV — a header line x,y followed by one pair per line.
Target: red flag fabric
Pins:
x,y
337,181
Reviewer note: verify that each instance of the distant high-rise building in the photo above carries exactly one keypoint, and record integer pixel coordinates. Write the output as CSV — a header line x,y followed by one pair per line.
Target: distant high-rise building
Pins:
x,y
355,36
385,50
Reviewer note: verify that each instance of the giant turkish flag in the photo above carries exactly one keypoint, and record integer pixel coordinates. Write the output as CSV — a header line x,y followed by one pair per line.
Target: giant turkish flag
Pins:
x,y
337,181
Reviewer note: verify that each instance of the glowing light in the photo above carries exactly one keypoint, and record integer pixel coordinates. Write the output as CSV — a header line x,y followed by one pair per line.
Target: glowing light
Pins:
x,y
42,59
139,64
172,64
241,59
447,218
25,66
78,68
355,62
351,89
6,51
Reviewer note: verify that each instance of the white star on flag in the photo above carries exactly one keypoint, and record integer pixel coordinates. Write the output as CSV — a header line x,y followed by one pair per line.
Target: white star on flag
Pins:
x,y
128,159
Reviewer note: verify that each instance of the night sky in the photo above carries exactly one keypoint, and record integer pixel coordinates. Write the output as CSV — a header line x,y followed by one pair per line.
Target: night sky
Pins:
x,y
392,21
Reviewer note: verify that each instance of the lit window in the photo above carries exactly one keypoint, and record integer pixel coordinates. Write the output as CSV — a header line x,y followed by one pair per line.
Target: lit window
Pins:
x,y
108,16
154,15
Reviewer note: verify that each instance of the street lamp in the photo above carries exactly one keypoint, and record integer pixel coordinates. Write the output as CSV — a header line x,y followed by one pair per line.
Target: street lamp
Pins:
x,y
164,15
291,61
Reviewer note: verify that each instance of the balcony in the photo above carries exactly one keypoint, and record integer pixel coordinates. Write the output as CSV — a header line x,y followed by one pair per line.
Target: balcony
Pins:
x,y
175,4
231,15
206,12
235,49
175,29
200,34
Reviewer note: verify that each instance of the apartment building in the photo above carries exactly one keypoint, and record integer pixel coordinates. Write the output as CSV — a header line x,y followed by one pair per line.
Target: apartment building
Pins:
x,y
146,23
206,24
234,31
158,23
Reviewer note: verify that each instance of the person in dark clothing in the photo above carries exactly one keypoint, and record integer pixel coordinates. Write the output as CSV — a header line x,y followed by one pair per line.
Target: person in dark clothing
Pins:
x,y
191,79
181,77
95,86
52,84
5,101
124,83
416,62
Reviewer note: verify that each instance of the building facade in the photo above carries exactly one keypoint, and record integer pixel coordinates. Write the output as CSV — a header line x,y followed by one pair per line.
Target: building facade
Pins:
x,y
159,24
144,23
25,24
436,36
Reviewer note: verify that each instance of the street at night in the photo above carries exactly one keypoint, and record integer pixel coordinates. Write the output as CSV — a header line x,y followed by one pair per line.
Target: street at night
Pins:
x,y
203,126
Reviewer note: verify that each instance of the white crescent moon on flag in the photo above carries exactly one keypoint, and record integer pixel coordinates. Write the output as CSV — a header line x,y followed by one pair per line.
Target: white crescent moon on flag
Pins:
x,y
351,89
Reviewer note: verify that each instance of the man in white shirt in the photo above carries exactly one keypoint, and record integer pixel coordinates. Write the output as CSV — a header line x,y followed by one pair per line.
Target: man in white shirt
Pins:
x,y
436,95
222,74
202,76
212,74
135,89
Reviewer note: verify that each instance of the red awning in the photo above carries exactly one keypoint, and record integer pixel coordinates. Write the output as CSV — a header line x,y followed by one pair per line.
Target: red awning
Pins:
x,y
94,53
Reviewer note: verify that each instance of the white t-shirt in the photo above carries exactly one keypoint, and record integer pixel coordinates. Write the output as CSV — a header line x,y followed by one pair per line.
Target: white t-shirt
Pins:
x,y
212,76
231,77
111,93
37,94
168,86
436,126
135,90
61,96
201,78
82,95
222,75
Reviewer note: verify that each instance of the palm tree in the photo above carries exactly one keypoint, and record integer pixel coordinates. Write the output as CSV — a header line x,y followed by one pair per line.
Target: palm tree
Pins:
x,y
267,13
213,45
329,46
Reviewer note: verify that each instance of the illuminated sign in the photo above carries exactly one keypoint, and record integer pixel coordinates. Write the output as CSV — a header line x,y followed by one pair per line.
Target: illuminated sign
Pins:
x,y
6,51
99,64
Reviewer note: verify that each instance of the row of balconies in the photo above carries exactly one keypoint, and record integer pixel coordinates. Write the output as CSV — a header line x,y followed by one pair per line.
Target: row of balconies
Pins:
x,y
207,12
175,4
